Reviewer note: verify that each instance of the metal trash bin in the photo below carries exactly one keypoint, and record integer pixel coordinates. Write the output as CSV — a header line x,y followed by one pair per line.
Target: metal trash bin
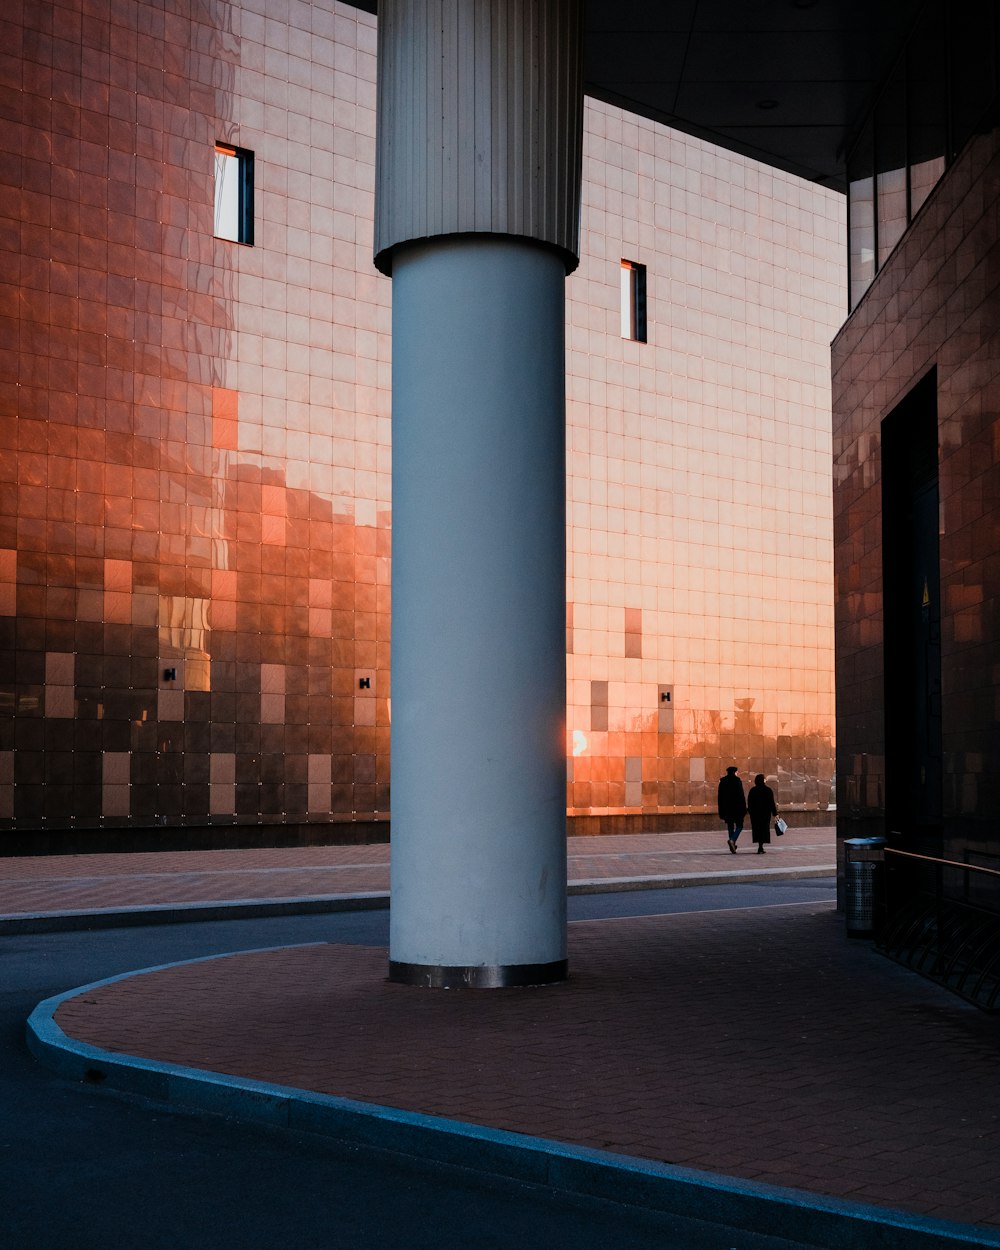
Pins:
x,y
864,885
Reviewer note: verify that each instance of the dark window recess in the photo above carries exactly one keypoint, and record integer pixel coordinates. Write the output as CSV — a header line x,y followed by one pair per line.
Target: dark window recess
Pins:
x,y
912,618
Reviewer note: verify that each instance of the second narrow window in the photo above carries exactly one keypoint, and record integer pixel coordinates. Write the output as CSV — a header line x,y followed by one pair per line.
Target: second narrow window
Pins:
x,y
233,194
633,278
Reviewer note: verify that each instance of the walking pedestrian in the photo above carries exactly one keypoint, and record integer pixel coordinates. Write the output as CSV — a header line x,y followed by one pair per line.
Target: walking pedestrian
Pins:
x,y
732,805
761,806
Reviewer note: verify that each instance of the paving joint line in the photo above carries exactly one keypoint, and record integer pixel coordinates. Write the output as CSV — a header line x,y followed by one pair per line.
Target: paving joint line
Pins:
x,y
187,874
75,919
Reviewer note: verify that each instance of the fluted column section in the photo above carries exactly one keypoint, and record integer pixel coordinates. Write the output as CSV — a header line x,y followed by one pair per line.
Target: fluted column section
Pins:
x,y
480,122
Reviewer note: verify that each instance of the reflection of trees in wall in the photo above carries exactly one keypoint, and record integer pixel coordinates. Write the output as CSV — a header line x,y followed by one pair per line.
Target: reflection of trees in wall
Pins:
x,y
680,771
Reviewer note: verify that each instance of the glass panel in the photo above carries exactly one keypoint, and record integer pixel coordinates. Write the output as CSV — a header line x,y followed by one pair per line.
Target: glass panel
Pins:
x,y
923,178
890,150
891,211
861,216
973,70
227,194
926,107
640,302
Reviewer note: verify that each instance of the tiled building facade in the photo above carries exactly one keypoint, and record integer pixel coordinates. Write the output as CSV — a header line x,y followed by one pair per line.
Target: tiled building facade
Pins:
x,y
195,443
701,628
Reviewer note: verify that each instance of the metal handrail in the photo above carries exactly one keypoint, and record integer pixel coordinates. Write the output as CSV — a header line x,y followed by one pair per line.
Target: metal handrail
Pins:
x,y
948,863
944,961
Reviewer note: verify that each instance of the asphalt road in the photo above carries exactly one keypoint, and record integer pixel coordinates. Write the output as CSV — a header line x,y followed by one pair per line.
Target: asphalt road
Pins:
x,y
82,1169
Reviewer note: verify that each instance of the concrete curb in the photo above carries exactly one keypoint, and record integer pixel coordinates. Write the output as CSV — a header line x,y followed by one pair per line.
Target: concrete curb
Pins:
x,y
816,1220
239,909
678,880
187,913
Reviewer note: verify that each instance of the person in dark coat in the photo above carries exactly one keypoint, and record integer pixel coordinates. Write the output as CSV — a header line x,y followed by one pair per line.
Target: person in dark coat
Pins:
x,y
761,806
732,805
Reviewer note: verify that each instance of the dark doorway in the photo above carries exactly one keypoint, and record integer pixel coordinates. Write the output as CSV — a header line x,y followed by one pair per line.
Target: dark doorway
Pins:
x,y
912,619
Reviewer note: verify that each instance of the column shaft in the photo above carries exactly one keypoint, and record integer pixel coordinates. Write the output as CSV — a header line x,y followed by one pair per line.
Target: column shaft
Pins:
x,y
477,220
478,628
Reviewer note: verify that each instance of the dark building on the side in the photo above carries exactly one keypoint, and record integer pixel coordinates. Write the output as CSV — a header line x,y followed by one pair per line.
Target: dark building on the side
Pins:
x,y
916,402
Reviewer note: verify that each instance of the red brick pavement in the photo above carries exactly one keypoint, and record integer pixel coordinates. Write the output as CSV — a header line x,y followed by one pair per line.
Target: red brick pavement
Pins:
x,y
757,1043
35,884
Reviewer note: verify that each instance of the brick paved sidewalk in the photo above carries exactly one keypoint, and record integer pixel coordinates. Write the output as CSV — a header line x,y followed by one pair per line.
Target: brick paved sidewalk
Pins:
x,y
34,885
757,1043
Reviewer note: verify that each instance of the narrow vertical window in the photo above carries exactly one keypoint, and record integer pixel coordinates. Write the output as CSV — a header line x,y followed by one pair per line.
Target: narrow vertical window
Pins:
x,y
927,102
633,278
861,215
890,165
233,194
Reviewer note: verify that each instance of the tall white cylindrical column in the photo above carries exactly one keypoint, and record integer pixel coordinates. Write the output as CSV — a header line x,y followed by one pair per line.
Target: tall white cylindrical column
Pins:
x,y
478,628
477,209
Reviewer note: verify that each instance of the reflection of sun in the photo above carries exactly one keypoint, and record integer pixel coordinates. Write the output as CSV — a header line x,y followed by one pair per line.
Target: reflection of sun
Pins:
x,y
579,742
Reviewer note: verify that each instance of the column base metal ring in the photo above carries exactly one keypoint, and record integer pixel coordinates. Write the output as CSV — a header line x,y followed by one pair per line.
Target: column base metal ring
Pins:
x,y
477,977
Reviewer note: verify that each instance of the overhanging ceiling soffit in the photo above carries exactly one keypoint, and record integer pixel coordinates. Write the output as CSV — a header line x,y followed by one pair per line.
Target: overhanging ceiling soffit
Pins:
x,y
785,82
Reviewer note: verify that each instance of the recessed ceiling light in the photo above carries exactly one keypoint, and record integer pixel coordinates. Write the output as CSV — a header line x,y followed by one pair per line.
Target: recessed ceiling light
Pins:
x,y
767,104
